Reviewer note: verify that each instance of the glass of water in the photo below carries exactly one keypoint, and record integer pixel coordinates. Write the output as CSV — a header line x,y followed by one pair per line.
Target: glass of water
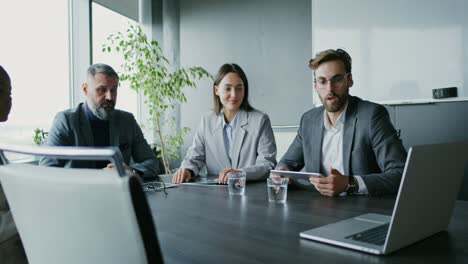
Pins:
x,y
277,189
236,182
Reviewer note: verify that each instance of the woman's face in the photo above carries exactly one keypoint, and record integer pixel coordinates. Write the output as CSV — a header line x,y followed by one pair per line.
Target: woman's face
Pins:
x,y
231,92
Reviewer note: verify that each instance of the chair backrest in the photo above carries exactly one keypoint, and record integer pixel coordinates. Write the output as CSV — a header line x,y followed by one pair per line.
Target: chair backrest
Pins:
x,y
68,215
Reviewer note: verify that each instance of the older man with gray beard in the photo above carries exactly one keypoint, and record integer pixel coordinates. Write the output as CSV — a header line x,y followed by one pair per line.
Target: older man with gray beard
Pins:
x,y
96,123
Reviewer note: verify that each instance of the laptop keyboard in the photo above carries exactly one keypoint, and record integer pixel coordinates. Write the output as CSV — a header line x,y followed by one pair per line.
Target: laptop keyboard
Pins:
x,y
374,235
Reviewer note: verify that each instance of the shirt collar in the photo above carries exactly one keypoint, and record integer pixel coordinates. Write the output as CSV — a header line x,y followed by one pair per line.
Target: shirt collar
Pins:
x,y
339,122
233,122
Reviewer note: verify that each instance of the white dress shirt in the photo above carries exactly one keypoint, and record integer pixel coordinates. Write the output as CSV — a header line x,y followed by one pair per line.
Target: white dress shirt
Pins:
x,y
332,148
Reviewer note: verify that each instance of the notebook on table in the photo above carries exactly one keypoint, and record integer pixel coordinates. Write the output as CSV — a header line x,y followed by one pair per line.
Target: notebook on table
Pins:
x,y
207,180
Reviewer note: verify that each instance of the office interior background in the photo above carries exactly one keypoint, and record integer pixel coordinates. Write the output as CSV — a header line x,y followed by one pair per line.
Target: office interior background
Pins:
x,y
400,53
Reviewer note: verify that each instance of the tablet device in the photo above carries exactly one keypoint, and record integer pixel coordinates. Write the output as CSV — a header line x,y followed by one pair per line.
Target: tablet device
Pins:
x,y
298,178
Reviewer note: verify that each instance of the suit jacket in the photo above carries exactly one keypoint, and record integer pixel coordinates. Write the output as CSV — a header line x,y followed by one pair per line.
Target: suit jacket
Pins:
x,y
72,128
253,147
371,148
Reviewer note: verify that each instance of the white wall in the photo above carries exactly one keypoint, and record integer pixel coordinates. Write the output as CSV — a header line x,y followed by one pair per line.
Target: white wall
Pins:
x,y
401,49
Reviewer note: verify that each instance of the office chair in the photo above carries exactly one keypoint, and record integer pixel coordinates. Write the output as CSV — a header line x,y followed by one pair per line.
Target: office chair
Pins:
x,y
68,215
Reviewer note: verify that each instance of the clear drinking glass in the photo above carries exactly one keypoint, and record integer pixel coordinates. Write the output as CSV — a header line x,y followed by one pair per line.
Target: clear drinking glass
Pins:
x,y
236,182
277,189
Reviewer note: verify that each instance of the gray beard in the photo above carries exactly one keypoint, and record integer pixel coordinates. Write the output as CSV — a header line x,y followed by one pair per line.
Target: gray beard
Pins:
x,y
101,112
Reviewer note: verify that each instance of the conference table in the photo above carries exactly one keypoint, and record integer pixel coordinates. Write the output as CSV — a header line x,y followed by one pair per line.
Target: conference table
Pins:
x,y
204,224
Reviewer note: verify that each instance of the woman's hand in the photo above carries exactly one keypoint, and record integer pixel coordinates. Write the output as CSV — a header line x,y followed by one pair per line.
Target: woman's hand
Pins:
x,y
182,175
223,176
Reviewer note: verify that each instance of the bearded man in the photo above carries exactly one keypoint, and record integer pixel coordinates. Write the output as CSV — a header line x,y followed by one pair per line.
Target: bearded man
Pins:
x,y
96,123
347,139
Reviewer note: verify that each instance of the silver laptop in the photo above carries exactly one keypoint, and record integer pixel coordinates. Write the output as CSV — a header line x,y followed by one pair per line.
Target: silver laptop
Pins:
x,y
428,190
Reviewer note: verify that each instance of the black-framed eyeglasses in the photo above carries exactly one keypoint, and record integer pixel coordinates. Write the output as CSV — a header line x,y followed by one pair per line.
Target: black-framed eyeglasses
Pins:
x,y
336,80
154,186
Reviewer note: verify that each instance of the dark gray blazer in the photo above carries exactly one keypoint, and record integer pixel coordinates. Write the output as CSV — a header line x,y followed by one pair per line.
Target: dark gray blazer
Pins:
x,y
72,128
371,148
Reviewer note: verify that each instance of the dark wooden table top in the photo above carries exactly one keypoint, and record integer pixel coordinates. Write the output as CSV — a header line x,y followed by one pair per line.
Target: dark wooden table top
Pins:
x,y
204,224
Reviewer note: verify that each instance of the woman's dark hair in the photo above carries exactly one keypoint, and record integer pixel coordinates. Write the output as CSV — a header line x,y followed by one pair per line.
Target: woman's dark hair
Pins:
x,y
223,71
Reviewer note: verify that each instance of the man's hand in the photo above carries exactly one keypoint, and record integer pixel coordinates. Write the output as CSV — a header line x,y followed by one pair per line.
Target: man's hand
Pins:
x,y
182,175
223,175
277,176
332,185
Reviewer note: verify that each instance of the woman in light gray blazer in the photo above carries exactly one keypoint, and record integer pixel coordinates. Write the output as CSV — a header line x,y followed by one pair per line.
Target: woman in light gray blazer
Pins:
x,y
233,136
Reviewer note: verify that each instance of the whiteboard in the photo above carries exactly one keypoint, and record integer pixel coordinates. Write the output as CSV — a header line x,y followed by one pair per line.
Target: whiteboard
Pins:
x,y
401,49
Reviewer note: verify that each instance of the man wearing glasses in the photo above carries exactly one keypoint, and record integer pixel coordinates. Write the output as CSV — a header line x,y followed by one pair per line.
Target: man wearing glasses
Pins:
x,y
350,140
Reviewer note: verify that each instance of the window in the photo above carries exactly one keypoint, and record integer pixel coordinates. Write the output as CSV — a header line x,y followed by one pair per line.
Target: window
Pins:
x,y
34,50
104,23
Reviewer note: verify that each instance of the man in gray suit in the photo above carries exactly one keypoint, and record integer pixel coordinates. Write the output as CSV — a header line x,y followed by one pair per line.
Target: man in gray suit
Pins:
x,y
350,140
96,123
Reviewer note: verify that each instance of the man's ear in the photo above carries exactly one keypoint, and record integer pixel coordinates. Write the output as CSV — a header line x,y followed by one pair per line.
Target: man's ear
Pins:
x,y
350,80
84,87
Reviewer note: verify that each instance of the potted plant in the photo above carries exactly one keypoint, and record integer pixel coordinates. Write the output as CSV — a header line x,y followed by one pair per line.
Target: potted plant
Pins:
x,y
146,70
40,136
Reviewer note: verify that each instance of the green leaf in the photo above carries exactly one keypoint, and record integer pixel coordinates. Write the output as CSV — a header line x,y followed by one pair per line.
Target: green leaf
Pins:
x,y
147,70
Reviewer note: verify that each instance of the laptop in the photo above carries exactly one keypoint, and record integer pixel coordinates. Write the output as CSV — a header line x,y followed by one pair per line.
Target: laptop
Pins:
x,y
426,197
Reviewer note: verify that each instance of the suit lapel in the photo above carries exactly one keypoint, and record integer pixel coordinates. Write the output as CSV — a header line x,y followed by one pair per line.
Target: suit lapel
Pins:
x,y
348,134
85,127
218,138
316,146
239,137
114,131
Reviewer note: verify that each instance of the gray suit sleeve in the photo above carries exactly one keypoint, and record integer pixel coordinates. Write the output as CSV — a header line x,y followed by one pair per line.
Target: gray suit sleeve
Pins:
x,y
144,159
266,153
293,159
59,135
389,152
195,158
